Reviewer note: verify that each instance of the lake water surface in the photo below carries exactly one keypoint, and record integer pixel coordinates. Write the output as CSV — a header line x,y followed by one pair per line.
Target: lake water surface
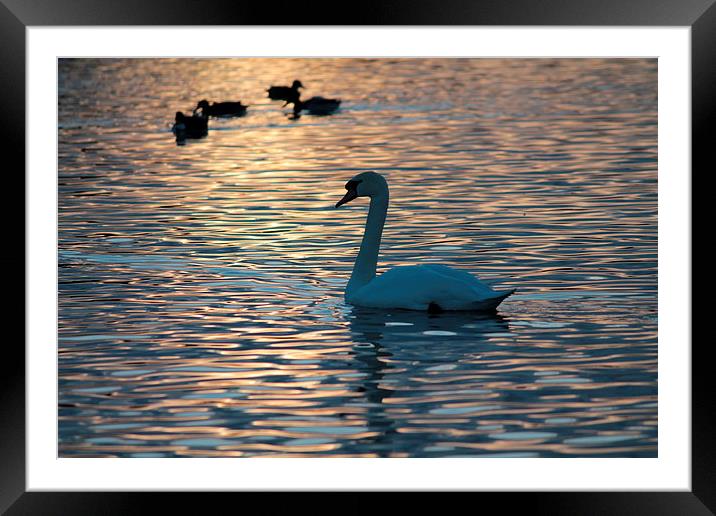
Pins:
x,y
201,307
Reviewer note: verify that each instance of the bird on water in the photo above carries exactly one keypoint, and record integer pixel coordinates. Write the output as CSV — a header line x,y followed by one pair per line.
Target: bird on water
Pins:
x,y
429,287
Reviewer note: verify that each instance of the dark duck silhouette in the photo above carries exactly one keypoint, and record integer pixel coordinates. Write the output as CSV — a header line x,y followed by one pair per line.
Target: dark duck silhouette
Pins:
x,y
220,108
195,126
285,92
315,105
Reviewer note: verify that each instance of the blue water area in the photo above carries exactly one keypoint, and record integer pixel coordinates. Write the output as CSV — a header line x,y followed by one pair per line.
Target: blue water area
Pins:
x,y
201,309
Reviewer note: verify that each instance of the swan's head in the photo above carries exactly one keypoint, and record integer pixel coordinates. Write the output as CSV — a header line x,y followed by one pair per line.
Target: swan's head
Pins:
x,y
366,184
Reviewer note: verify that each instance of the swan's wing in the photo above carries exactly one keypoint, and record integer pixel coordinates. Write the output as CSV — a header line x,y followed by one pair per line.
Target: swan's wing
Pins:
x,y
457,274
416,287
487,298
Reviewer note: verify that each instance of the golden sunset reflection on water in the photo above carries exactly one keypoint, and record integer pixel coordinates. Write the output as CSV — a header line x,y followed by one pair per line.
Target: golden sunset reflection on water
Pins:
x,y
201,309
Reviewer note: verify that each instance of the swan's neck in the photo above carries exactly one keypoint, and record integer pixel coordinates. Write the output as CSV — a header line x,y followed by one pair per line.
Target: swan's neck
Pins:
x,y
364,268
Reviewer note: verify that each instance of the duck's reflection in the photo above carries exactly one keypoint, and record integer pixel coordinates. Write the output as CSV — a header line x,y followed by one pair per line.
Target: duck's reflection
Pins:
x,y
396,348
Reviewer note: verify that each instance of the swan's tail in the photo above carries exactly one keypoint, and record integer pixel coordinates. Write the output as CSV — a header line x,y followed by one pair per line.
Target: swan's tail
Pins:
x,y
492,303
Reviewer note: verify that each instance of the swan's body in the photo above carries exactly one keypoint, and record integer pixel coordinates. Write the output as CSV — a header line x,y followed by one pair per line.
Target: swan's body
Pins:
x,y
429,287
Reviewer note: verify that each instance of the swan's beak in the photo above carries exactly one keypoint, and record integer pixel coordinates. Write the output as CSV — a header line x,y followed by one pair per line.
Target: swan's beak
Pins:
x,y
349,196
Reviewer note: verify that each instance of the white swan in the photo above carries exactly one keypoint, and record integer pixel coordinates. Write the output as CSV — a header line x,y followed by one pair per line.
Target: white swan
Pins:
x,y
418,287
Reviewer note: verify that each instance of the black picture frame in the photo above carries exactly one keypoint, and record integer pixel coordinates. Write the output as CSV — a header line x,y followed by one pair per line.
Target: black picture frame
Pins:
x,y
17,15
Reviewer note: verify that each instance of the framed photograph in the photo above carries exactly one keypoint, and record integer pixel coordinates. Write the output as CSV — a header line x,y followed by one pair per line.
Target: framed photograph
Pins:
x,y
445,248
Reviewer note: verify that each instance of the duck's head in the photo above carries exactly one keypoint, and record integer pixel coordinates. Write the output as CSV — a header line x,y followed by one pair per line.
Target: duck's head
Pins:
x,y
365,184
296,84
179,117
203,104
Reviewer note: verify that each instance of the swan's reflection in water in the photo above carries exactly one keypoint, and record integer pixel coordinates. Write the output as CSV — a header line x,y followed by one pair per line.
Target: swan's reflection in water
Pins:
x,y
375,325
402,354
